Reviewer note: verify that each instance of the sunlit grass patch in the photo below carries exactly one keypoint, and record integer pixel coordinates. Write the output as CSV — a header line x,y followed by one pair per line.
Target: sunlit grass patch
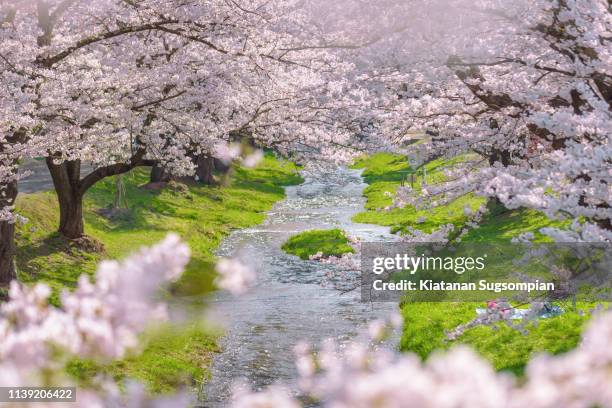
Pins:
x,y
331,242
425,326
172,357
385,172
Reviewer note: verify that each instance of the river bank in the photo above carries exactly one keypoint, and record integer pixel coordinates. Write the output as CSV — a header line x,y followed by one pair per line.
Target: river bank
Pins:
x,y
292,300
172,356
426,323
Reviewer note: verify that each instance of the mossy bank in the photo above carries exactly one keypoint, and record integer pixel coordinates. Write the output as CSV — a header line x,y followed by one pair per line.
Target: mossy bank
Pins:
x,y
201,215
426,324
332,242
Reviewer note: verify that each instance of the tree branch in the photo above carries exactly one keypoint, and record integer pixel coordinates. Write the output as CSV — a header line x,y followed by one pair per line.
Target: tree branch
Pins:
x,y
112,170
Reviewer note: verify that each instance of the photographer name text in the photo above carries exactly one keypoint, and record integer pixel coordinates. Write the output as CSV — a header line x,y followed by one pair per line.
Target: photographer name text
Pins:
x,y
428,285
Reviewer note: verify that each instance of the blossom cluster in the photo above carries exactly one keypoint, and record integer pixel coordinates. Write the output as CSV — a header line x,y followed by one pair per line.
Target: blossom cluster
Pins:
x,y
363,375
526,86
170,77
234,276
99,320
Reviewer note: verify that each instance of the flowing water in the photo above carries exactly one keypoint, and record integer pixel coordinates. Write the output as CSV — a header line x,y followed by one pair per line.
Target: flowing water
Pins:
x,y
291,301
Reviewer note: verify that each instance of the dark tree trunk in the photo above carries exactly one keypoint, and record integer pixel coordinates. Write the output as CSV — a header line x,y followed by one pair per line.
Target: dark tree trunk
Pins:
x,y
500,156
221,166
7,237
8,194
159,174
70,188
244,136
71,217
204,169
67,182
495,206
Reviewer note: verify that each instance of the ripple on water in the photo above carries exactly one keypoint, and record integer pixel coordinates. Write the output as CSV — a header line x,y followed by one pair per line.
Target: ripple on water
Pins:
x,y
289,304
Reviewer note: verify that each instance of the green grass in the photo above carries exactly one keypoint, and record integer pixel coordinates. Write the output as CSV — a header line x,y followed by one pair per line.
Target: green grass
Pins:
x,y
331,242
425,326
201,215
175,356
384,173
500,224
426,322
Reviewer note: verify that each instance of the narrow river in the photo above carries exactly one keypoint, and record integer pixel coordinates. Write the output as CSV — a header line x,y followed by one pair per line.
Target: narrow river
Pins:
x,y
291,301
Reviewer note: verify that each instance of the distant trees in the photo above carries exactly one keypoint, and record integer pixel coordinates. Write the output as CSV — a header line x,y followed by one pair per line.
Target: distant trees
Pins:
x,y
526,84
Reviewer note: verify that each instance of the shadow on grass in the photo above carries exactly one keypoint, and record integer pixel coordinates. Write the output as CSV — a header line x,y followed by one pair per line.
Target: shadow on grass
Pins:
x,y
266,177
384,167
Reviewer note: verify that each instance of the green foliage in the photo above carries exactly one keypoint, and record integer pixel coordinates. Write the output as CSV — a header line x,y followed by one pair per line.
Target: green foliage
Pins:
x,y
202,215
329,242
500,224
384,173
172,357
426,323
425,326
42,254
382,166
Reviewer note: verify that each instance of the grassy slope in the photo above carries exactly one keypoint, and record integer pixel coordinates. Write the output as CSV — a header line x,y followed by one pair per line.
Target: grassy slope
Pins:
x,y
201,215
329,242
426,323
384,172
174,356
506,348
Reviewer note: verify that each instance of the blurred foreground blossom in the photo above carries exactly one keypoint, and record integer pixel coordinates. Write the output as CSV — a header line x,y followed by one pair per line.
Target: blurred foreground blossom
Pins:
x,y
227,152
253,159
359,375
272,397
234,276
100,320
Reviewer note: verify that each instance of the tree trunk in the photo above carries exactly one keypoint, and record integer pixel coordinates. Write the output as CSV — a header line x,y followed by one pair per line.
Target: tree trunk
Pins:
x,y
70,188
500,156
159,174
7,237
8,194
221,166
204,170
66,178
71,217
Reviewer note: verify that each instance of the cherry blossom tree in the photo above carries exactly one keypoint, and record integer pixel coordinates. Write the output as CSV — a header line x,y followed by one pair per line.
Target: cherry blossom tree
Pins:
x,y
526,85
8,194
15,108
122,84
